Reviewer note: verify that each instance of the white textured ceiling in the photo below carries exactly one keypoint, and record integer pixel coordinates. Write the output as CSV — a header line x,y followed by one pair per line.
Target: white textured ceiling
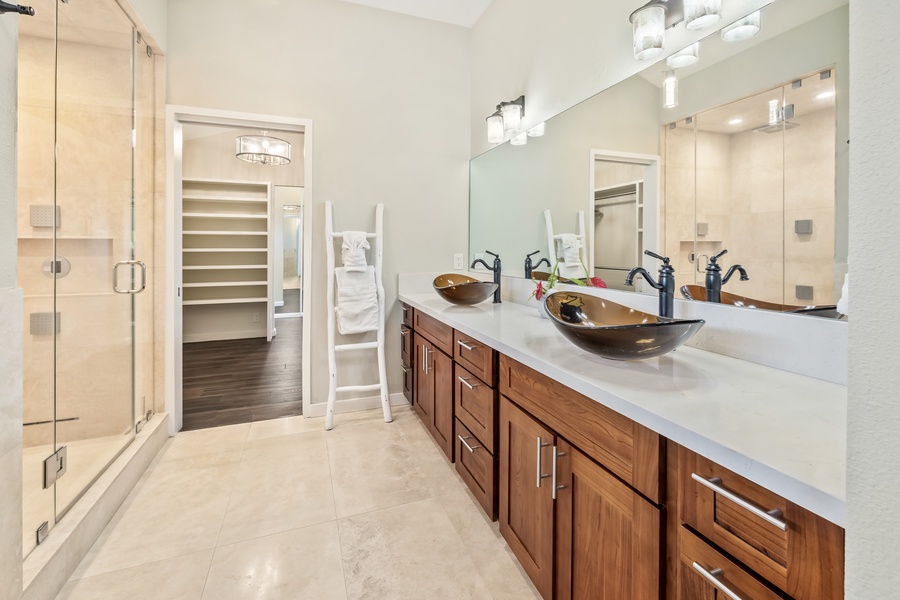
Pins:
x,y
456,12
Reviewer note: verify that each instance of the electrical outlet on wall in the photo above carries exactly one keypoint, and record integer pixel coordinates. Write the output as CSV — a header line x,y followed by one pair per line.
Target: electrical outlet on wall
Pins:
x,y
256,317
458,261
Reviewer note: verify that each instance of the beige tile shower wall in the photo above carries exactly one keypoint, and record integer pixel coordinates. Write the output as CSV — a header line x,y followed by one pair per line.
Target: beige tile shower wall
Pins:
x,y
714,203
809,193
679,201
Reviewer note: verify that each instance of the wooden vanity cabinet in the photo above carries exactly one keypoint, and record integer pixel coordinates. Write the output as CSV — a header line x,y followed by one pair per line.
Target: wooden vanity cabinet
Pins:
x,y
407,353
434,392
579,531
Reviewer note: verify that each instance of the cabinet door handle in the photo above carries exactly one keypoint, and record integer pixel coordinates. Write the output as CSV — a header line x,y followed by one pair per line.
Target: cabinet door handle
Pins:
x,y
465,381
405,368
404,332
427,350
463,439
773,517
713,578
539,475
466,346
555,487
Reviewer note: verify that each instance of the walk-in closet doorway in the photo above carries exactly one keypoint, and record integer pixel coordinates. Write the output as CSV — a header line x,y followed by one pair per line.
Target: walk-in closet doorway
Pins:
x,y
237,254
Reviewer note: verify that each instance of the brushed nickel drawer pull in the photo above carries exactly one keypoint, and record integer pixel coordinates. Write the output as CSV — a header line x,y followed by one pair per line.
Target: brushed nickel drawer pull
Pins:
x,y
466,346
773,517
404,331
556,455
540,445
405,368
463,439
466,382
713,578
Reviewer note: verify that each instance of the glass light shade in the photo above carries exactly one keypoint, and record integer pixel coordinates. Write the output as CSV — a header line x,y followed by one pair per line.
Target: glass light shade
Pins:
x,y
670,90
649,30
512,116
537,130
742,29
519,140
495,129
700,14
684,58
263,150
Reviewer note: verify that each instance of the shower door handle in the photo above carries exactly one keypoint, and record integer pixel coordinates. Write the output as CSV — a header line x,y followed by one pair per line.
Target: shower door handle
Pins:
x,y
115,277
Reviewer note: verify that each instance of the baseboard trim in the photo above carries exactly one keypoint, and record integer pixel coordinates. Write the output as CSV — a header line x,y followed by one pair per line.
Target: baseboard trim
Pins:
x,y
355,405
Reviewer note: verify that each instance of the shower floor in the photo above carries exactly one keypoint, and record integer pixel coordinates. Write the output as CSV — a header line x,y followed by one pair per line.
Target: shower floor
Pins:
x,y
241,381
87,458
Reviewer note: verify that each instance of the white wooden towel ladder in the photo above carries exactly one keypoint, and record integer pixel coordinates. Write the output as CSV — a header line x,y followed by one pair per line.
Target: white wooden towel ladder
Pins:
x,y
552,245
378,345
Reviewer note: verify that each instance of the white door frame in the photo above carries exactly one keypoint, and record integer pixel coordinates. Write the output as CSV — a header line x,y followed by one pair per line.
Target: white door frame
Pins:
x,y
176,117
652,204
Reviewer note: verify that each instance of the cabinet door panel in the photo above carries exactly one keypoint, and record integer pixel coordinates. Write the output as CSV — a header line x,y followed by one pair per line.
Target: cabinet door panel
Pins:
x,y
441,369
526,510
608,536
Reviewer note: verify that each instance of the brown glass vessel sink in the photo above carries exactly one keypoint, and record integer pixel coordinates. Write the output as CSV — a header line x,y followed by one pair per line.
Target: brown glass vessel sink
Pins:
x,y
461,289
698,292
614,331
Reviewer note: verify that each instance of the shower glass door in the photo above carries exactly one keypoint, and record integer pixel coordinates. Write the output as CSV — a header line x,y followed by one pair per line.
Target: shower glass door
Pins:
x,y
87,323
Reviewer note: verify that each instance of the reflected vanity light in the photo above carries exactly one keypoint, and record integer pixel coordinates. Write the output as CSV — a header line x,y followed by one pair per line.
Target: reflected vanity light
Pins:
x,y
537,130
670,90
263,149
742,29
685,57
520,139
506,119
737,121
825,95
700,14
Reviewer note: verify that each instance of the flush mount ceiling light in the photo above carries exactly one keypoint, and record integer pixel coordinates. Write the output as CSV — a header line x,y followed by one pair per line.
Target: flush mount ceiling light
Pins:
x,y
684,58
742,29
263,149
505,120
650,22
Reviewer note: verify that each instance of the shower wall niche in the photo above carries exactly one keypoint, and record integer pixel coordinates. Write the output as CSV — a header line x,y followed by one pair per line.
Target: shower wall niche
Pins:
x,y
88,123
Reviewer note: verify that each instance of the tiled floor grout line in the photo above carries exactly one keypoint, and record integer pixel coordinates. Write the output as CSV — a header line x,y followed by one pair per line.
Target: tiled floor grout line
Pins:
x,y
337,524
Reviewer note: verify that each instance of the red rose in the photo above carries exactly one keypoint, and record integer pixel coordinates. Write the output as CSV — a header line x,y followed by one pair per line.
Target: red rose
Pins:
x,y
539,291
597,282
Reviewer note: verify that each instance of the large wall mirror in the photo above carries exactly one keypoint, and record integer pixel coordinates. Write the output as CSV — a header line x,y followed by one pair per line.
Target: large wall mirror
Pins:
x,y
752,160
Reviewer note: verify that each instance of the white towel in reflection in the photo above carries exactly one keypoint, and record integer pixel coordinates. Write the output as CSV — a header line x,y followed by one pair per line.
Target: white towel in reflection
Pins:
x,y
353,250
357,300
570,246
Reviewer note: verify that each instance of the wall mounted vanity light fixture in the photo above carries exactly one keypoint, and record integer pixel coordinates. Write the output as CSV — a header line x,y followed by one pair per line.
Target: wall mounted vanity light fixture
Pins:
x,y
670,90
263,149
537,130
649,22
520,139
742,29
505,120
685,57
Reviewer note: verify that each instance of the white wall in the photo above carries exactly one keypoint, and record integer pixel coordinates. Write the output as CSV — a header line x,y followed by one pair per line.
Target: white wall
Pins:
x,y
388,96
558,54
873,437
153,15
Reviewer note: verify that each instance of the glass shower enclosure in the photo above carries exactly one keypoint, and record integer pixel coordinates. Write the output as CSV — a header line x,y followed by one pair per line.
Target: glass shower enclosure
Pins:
x,y
85,226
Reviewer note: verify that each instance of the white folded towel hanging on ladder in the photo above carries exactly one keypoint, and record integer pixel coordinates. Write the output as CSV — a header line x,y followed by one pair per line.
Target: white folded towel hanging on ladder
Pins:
x,y
357,300
353,250
571,249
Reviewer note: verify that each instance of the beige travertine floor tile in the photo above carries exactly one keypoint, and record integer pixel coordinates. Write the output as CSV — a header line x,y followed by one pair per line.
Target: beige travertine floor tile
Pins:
x,y
284,426
438,472
373,467
303,563
410,551
283,483
493,559
180,578
201,442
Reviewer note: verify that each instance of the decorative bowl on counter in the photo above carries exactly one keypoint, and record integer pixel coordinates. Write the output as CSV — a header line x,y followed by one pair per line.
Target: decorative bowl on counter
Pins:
x,y
698,293
462,289
614,331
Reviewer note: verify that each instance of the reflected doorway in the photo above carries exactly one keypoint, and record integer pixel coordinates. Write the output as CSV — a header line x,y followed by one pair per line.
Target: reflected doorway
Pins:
x,y
288,233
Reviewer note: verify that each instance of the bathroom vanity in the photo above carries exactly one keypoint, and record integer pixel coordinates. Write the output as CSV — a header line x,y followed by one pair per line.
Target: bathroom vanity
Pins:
x,y
691,475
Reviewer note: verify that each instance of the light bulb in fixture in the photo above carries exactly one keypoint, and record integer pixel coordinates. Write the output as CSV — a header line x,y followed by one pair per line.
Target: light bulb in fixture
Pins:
x,y
649,31
512,116
495,128
700,14
670,90
519,140
742,29
537,130
684,57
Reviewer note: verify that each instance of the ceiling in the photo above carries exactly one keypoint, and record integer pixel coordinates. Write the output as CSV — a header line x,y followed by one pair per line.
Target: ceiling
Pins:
x,y
456,12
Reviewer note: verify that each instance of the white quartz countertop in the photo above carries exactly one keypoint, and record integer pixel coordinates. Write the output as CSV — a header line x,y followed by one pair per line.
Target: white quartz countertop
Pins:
x,y
784,431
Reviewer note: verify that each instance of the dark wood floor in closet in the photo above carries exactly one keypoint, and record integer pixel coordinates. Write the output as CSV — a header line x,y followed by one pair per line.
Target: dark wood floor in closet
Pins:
x,y
239,381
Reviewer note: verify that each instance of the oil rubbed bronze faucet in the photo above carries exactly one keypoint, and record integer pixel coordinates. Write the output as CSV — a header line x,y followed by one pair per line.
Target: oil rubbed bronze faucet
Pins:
x,y
495,269
714,279
666,285
529,267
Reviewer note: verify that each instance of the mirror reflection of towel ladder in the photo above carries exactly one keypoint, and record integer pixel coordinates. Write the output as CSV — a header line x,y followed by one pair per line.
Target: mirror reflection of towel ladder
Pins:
x,y
378,345
552,246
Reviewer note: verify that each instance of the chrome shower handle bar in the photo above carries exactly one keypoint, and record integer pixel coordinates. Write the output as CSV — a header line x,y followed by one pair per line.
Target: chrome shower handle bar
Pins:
x,y
133,263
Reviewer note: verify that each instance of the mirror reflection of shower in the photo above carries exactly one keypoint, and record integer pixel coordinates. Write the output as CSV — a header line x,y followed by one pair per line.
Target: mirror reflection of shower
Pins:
x,y
288,226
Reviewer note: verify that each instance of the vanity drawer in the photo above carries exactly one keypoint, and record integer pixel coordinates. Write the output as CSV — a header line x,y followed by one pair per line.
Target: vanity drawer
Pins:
x,y
476,406
793,548
704,574
439,333
409,383
406,342
478,469
632,452
479,359
406,313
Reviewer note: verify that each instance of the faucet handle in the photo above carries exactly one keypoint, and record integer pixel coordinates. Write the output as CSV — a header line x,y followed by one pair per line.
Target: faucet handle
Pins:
x,y
492,254
530,254
665,259
713,259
